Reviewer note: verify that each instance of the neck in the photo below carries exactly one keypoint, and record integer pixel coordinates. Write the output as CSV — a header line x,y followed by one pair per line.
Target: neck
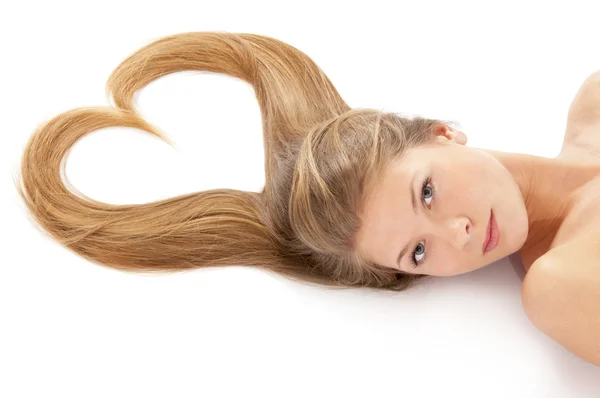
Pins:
x,y
546,186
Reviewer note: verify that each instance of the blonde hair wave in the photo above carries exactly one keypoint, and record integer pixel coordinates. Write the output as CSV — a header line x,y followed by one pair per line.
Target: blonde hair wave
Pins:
x,y
321,157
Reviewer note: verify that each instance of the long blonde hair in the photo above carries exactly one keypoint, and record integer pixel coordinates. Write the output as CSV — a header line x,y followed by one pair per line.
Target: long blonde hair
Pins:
x,y
321,157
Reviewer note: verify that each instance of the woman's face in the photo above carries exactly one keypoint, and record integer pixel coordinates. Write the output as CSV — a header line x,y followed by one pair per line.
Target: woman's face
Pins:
x,y
455,190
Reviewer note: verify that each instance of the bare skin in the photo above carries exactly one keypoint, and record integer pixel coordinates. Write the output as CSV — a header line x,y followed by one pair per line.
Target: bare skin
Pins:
x,y
546,210
561,290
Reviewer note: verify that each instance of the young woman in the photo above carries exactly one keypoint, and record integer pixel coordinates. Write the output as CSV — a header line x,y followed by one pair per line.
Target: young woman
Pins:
x,y
352,198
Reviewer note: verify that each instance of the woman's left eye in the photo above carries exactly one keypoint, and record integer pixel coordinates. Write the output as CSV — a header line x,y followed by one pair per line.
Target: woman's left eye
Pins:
x,y
427,191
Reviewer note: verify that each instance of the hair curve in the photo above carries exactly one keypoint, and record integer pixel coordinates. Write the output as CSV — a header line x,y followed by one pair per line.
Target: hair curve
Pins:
x,y
321,157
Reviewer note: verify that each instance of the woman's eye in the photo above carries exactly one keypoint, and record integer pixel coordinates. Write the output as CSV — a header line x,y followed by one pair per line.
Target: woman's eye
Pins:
x,y
427,191
419,254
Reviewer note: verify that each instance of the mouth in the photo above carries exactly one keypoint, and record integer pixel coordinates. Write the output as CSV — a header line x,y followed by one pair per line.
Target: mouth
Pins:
x,y
492,234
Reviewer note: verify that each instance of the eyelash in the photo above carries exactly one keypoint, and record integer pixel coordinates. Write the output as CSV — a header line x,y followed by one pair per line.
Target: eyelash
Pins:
x,y
426,183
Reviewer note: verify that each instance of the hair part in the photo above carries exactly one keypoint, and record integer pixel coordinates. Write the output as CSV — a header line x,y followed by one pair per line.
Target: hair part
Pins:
x,y
321,160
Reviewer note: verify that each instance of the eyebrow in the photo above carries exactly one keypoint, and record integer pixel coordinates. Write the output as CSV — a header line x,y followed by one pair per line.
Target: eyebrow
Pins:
x,y
413,198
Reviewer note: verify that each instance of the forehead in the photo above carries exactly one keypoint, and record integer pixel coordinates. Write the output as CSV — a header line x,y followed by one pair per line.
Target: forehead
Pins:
x,y
387,209
394,181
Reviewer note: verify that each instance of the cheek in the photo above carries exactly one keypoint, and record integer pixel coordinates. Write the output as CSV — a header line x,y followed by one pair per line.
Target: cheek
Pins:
x,y
459,268
470,191
460,196
445,262
448,262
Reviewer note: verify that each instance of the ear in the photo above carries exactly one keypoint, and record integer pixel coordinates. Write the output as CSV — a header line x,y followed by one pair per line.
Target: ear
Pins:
x,y
446,132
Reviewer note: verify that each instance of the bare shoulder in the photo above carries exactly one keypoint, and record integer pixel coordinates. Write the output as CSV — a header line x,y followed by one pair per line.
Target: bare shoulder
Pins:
x,y
561,292
582,136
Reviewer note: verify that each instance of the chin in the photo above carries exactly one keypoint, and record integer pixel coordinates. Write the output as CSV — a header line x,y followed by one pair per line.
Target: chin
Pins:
x,y
515,238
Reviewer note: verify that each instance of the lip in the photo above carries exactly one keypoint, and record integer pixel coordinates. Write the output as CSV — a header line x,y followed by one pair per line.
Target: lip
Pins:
x,y
492,234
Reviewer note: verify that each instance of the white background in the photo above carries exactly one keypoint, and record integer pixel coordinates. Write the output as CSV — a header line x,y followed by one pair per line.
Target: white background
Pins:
x,y
68,328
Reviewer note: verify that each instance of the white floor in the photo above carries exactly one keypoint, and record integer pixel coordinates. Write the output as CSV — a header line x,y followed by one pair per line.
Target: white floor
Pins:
x,y
69,328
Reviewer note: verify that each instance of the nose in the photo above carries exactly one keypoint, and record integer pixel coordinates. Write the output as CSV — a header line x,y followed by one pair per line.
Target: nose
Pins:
x,y
457,231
